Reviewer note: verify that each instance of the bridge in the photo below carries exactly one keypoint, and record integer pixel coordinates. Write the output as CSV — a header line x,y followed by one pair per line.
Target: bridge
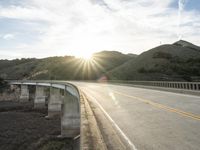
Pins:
x,y
122,115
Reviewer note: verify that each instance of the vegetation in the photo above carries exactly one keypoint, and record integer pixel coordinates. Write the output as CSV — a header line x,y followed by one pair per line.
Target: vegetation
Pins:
x,y
63,68
176,62
163,55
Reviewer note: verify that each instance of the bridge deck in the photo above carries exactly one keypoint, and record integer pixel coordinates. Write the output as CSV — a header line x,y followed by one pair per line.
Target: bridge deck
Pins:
x,y
149,119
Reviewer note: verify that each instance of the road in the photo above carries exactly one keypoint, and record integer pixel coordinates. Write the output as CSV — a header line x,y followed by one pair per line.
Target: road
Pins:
x,y
149,119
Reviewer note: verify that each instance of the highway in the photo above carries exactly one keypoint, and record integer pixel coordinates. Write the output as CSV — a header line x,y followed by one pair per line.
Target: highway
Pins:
x,y
149,119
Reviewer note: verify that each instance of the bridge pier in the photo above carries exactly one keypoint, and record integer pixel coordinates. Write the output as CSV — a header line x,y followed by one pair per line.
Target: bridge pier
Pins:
x,y
24,96
55,101
70,116
39,101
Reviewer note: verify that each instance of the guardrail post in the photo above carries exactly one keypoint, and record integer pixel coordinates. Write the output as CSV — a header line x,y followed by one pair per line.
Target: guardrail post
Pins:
x,y
70,116
24,96
39,101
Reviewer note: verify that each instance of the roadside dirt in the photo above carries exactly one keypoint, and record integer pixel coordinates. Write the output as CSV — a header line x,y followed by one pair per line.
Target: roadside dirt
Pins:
x,y
23,128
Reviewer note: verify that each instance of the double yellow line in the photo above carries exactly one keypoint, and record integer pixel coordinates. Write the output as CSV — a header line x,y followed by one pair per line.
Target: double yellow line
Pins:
x,y
180,112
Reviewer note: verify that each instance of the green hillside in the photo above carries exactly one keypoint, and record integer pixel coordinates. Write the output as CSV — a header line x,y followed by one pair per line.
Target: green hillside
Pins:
x,y
174,62
178,61
63,68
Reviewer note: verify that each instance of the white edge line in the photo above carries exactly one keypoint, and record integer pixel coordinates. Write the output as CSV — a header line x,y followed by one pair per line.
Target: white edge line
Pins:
x,y
117,127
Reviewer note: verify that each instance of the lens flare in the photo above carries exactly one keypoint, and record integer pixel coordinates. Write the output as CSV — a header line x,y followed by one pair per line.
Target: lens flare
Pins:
x,y
85,56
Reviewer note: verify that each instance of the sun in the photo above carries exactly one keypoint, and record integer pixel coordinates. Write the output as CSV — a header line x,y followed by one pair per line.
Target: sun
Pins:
x,y
85,56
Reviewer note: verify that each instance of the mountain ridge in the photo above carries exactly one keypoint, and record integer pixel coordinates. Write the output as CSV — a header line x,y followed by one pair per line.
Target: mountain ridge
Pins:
x,y
161,62
179,61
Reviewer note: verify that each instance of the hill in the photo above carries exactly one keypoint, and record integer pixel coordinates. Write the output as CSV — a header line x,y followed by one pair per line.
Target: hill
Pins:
x,y
63,68
178,61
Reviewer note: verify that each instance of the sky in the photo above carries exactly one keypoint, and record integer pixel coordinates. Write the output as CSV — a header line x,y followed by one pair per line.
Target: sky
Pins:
x,y
43,28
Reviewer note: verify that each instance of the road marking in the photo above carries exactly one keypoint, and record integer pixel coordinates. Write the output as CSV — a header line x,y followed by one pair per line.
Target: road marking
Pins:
x,y
111,120
180,112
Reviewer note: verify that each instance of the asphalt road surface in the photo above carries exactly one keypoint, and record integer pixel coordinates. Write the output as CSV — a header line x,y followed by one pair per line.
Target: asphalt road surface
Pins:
x,y
149,119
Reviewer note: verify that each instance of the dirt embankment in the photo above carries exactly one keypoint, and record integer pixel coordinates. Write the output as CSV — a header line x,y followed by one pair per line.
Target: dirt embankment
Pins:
x,y
23,128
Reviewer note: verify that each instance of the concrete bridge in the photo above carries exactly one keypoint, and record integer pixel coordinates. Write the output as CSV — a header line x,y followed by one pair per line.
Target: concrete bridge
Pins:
x,y
122,115
64,101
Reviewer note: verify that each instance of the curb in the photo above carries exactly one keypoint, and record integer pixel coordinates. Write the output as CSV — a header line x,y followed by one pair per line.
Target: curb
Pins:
x,y
91,137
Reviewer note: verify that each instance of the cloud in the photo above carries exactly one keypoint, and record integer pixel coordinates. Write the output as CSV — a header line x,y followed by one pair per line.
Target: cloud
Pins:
x,y
73,27
8,36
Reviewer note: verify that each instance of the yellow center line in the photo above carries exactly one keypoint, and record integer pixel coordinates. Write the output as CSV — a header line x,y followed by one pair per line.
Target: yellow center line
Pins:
x,y
161,106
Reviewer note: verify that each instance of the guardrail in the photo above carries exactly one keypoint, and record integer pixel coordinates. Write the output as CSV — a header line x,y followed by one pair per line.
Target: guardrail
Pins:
x,y
65,85
195,86
49,83
168,84
90,136
66,105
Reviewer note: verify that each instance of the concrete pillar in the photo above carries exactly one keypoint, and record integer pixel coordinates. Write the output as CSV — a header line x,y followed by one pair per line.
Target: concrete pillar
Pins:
x,y
39,101
70,116
170,85
188,86
12,87
24,96
191,86
54,104
183,86
198,86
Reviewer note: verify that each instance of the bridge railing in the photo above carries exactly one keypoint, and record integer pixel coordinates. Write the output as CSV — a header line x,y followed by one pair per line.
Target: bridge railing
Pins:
x,y
195,86
89,135
64,101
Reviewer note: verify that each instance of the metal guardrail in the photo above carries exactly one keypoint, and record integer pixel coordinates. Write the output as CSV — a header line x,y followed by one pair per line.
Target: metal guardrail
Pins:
x,y
56,84
90,136
195,86
168,84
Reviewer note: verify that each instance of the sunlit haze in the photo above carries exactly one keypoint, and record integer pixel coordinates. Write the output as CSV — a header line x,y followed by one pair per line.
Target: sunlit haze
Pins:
x,y
42,28
85,56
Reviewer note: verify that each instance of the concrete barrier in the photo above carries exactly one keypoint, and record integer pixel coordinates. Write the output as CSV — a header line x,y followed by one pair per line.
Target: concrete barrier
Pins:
x,y
70,116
